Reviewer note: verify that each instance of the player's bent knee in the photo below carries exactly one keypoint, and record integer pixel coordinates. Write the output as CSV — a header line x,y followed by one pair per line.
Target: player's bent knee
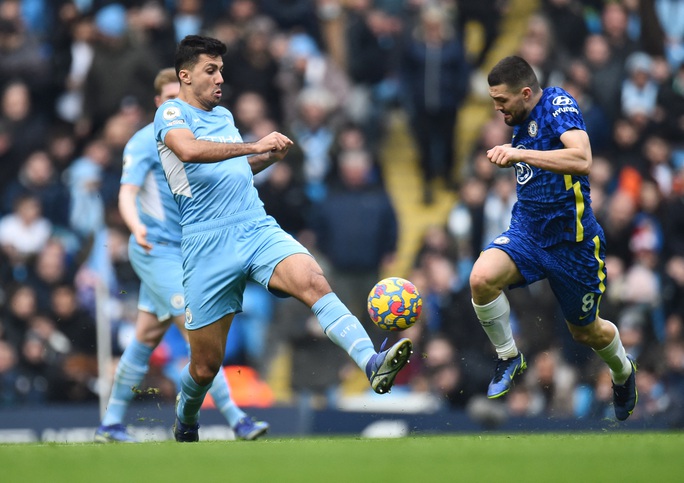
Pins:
x,y
582,335
203,374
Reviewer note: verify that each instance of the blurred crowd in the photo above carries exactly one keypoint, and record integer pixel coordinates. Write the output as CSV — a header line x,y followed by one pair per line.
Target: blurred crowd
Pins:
x,y
76,82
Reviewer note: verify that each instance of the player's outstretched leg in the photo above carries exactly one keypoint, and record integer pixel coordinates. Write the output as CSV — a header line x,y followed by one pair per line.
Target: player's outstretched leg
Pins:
x,y
504,373
625,396
347,332
384,366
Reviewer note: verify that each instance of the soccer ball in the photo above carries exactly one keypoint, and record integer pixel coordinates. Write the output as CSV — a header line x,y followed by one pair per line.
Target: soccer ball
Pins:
x,y
394,304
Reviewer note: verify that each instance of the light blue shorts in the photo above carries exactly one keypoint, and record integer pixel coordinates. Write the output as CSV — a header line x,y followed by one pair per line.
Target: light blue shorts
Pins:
x,y
220,256
161,278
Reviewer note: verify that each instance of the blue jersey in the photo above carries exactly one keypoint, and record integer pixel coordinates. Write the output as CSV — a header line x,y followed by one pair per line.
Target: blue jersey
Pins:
x,y
205,191
551,207
156,207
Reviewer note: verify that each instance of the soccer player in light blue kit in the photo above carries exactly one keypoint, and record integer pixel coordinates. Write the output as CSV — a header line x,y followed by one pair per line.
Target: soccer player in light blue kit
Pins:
x,y
150,212
228,239
553,232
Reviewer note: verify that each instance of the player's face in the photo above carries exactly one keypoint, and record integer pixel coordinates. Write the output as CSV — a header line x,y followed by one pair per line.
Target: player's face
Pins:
x,y
205,81
509,103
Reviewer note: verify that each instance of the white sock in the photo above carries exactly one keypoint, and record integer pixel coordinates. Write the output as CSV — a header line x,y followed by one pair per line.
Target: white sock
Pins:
x,y
614,355
495,320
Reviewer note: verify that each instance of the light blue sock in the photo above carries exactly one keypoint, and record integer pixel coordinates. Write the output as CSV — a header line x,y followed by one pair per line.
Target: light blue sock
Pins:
x,y
130,372
191,398
344,329
220,391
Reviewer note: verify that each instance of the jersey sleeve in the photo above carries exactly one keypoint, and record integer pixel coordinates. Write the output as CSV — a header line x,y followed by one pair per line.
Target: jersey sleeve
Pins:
x,y
169,115
564,113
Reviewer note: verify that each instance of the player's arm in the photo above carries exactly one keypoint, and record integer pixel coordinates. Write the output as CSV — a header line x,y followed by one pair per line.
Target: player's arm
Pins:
x,y
128,194
191,150
575,158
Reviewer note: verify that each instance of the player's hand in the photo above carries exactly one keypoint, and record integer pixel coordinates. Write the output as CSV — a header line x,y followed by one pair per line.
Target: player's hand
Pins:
x,y
140,235
504,155
273,142
278,154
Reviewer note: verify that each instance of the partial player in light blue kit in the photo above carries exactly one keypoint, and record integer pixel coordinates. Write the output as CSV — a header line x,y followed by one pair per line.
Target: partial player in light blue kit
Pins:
x,y
553,233
150,212
228,239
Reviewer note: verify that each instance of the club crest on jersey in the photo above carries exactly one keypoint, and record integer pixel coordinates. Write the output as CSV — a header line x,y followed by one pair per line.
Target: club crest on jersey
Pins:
x,y
502,240
171,113
523,173
188,315
532,129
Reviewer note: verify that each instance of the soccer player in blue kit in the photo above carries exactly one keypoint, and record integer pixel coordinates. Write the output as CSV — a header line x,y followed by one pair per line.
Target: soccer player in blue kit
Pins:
x,y
228,239
553,232
150,212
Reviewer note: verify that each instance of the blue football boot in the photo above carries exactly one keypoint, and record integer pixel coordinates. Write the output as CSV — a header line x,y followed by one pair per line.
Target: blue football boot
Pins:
x,y
506,370
625,396
247,429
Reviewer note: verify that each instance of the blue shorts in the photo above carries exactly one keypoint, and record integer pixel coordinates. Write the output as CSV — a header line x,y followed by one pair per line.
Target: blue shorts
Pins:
x,y
161,278
576,270
220,256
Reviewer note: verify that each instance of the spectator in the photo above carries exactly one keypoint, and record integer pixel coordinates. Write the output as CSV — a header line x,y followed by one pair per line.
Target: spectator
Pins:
x,y
21,56
38,178
668,13
20,308
24,232
639,91
84,179
50,268
372,49
567,20
253,68
614,22
72,62
134,65
314,132
25,126
466,222
304,68
357,230
606,75
670,102
75,323
188,18
435,77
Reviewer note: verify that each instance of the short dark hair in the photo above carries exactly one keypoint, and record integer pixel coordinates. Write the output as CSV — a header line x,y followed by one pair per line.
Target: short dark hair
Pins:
x,y
514,72
192,46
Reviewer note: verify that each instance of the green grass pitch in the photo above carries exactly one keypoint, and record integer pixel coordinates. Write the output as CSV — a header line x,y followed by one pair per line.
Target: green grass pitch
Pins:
x,y
571,457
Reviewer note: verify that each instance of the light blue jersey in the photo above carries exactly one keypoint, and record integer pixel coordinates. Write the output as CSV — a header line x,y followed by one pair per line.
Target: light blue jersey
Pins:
x,y
156,207
160,270
227,237
205,191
